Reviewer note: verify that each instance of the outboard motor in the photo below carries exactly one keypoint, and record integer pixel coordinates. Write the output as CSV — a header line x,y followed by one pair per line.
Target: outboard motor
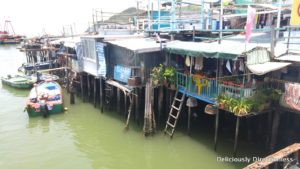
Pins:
x,y
44,109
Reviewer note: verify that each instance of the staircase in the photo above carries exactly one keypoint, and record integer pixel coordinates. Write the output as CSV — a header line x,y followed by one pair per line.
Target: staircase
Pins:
x,y
174,113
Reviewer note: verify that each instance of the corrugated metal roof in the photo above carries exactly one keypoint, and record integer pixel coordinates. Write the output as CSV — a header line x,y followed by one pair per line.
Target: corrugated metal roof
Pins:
x,y
138,45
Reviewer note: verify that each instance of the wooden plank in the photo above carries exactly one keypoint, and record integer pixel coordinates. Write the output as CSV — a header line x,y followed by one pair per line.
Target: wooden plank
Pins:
x,y
118,85
265,162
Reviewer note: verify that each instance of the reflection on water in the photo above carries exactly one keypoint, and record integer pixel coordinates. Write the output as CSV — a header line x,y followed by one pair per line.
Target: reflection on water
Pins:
x,y
15,92
82,137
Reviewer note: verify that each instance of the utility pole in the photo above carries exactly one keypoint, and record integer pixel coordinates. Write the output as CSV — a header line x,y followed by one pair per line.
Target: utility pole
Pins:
x,y
137,15
64,33
94,21
278,20
221,22
71,30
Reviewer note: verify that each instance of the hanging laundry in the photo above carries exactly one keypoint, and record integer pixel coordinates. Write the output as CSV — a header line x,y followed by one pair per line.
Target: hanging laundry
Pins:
x,y
265,19
241,66
234,68
199,63
228,66
187,61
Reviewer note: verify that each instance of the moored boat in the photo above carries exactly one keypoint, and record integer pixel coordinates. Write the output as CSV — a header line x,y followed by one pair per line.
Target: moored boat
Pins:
x,y
45,98
18,81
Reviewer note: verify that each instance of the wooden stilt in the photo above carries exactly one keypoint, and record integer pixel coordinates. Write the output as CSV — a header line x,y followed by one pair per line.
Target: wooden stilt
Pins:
x,y
249,127
81,87
88,88
72,90
131,97
137,105
237,127
216,129
72,97
118,100
189,120
95,91
125,104
67,80
275,125
160,103
101,94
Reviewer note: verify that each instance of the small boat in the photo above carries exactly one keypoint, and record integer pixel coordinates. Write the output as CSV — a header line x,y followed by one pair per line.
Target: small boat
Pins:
x,y
35,66
26,82
36,77
18,81
45,98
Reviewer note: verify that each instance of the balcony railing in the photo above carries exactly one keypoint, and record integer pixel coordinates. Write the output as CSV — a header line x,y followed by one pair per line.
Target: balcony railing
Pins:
x,y
210,88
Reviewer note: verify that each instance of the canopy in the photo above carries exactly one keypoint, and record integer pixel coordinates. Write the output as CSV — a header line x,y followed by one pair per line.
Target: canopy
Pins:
x,y
259,61
293,57
209,50
263,68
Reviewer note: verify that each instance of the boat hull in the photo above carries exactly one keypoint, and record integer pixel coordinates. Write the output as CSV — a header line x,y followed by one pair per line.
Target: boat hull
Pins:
x,y
19,85
45,99
59,108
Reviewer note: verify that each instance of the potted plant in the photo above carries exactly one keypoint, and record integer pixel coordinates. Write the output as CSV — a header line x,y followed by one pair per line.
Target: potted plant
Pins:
x,y
222,99
242,107
157,77
169,76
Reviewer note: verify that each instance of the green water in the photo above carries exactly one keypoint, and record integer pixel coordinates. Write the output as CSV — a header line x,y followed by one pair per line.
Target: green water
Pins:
x,y
83,138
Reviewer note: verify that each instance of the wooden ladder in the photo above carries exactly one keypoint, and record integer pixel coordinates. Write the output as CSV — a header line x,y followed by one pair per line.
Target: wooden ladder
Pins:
x,y
174,113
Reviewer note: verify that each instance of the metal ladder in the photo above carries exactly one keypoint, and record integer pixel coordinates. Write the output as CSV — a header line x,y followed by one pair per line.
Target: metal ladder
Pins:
x,y
174,113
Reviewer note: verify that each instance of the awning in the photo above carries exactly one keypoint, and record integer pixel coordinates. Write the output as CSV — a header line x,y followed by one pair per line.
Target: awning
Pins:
x,y
208,50
263,68
292,57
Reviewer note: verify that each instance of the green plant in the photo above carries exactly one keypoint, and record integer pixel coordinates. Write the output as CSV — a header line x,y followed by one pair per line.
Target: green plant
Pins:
x,y
236,106
242,107
221,99
169,74
157,77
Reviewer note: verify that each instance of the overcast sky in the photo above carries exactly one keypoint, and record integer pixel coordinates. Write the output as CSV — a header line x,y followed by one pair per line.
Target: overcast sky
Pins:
x,y
31,17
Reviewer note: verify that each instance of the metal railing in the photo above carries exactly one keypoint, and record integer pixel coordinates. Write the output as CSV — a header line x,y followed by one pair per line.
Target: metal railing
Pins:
x,y
211,87
236,90
198,85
